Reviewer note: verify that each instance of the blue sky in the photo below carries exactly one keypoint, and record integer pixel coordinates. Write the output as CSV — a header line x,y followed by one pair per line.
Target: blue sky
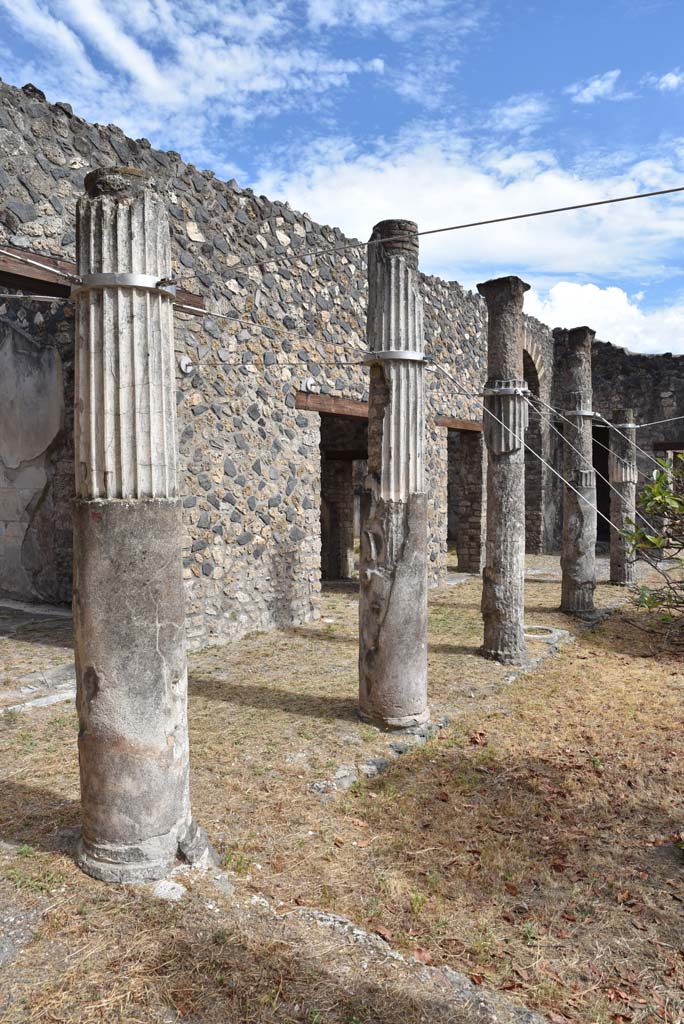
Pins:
x,y
439,110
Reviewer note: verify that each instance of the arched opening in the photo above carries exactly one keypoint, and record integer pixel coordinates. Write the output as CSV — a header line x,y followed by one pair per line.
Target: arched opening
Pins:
x,y
534,490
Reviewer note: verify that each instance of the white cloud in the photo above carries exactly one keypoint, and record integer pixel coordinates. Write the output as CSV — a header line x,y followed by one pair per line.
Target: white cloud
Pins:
x,y
521,114
437,177
400,18
600,87
175,69
115,45
613,314
60,42
670,82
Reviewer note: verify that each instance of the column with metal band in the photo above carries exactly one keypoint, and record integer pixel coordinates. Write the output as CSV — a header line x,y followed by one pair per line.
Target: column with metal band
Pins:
x,y
128,595
505,422
578,554
393,562
623,475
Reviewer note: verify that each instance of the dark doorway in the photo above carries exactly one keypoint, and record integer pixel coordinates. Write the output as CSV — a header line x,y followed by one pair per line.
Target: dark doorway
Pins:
x,y
465,497
600,459
344,450
534,503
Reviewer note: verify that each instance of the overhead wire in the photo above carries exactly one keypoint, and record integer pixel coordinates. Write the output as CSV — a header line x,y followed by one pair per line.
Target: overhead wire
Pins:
x,y
590,462
655,423
326,250
524,443
358,245
629,440
595,440
459,227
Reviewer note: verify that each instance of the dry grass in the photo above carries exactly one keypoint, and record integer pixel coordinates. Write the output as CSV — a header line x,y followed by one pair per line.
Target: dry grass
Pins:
x,y
534,845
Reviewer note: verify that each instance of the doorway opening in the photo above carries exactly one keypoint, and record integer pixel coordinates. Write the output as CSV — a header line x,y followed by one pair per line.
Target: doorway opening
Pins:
x,y
344,453
534,481
600,437
466,507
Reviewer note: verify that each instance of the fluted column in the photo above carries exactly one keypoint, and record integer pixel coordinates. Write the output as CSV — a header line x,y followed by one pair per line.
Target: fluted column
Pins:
x,y
505,422
623,475
393,563
128,598
578,554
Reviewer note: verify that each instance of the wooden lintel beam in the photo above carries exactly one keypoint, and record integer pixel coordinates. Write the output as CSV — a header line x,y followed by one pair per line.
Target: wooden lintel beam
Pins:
x,y
331,404
45,280
669,446
344,454
336,406
452,424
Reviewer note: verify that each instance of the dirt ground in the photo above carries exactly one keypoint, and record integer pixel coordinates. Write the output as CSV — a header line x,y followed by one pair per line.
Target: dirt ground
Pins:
x,y
532,845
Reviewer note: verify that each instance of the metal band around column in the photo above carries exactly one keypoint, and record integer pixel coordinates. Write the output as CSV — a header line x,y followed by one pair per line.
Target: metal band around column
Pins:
x,y
149,282
400,353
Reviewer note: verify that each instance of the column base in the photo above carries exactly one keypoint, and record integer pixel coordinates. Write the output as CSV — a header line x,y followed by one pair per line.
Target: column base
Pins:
x,y
406,722
582,605
624,578
140,862
520,658
146,861
584,614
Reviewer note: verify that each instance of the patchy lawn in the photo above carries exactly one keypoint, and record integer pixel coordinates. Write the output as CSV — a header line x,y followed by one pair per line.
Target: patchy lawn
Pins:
x,y
534,844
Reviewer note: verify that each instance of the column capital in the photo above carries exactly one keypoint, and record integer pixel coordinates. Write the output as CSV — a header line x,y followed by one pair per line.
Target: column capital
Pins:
x,y
120,182
503,289
397,237
580,337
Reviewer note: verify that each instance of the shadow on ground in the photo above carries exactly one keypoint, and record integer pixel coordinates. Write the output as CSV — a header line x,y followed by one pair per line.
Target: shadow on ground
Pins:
x,y
252,695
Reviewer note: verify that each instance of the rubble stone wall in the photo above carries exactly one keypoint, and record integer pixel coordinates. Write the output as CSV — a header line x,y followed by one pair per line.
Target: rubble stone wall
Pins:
x,y
653,385
249,459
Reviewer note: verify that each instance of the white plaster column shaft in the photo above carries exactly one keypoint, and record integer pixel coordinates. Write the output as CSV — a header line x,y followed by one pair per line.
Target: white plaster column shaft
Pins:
x,y
393,563
129,613
125,424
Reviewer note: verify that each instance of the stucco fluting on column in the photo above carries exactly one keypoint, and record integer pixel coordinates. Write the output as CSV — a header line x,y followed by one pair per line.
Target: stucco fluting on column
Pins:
x,y
128,599
505,421
623,475
125,423
578,554
393,562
